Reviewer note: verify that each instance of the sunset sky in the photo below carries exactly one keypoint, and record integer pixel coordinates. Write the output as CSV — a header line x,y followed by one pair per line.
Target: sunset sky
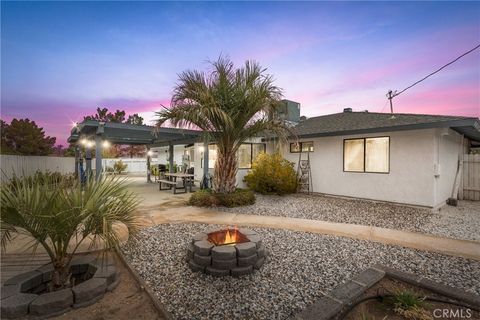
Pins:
x,y
62,60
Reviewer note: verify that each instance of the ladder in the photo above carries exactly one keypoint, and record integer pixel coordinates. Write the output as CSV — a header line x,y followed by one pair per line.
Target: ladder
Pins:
x,y
304,173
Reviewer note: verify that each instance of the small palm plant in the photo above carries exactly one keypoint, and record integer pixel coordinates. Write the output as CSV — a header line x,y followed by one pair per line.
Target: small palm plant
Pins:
x,y
231,105
60,217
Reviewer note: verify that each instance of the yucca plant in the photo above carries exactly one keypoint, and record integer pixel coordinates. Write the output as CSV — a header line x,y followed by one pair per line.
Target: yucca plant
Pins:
x,y
60,217
231,105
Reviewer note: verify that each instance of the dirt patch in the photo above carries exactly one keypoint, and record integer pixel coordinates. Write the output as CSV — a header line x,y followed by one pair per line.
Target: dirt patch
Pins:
x,y
126,302
431,309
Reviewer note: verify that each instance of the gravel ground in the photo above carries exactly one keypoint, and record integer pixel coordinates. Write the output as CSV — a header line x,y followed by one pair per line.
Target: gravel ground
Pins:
x,y
462,222
299,267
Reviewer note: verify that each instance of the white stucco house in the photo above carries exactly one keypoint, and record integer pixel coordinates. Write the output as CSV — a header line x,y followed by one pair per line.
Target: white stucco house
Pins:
x,y
402,158
405,158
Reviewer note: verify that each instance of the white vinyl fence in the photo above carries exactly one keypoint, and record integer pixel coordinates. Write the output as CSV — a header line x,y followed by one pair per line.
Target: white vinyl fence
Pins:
x,y
28,165
134,165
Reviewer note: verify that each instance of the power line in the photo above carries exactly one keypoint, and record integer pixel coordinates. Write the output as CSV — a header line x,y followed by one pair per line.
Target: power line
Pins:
x,y
391,94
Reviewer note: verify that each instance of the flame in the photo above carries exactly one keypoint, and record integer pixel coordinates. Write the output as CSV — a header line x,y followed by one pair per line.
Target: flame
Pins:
x,y
230,237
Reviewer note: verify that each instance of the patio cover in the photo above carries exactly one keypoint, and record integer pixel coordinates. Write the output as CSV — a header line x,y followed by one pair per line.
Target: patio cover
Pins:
x,y
126,134
131,134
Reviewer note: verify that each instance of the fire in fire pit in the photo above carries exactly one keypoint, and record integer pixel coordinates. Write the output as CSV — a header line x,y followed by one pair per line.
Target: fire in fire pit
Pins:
x,y
227,251
225,237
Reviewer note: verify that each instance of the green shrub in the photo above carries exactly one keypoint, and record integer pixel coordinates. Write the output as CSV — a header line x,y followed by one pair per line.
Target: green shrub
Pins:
x,y
119,167
207,198
272,174
43,178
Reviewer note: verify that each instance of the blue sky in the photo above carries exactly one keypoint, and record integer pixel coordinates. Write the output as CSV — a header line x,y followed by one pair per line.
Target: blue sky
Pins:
x,y
62,60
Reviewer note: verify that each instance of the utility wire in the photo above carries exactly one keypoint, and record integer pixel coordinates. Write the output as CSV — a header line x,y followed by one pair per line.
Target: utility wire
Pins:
x,y
436,71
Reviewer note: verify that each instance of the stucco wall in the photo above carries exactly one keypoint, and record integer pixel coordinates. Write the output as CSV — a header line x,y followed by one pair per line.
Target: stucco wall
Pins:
x,y
448,145
411,177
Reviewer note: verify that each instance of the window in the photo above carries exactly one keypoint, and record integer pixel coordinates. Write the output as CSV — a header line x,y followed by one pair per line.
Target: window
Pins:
x,y
354,155
367,155
303,146
246,154
257,148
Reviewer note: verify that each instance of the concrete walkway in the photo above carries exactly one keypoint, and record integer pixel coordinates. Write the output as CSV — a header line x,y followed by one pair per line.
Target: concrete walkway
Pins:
x,y
453,247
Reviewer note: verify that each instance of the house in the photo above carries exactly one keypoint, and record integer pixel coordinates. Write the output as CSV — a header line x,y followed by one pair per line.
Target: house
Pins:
x,y
402,158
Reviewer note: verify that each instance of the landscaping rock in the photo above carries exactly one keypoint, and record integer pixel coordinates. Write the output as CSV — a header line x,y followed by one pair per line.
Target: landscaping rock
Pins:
x,y
202,247
109,273
17,305
195,267
256,240
261,252
47,271
247,261
202,260
324,309
217,272
246,249
88,292
201,236
348,291
247,232
369,277
8,291
241,271
224,264
190,251
26,280
259,263
52,303
224,253
301,268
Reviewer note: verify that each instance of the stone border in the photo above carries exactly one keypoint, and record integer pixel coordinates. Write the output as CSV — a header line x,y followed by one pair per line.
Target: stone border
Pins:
x,y
226,260
333,305
16,302
143,286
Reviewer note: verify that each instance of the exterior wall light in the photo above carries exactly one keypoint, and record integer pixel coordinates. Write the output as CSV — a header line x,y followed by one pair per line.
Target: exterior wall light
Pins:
x,y
106,144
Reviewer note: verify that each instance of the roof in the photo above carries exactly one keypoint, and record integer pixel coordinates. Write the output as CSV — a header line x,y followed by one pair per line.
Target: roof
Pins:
x,y
132,134
369,122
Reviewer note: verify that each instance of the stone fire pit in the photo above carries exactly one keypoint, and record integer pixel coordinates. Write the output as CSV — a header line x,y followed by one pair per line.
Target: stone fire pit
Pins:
x,y
227,251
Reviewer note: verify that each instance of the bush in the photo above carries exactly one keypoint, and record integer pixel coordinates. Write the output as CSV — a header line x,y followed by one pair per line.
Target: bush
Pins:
x,y
207,198
119,167
272,174
43,178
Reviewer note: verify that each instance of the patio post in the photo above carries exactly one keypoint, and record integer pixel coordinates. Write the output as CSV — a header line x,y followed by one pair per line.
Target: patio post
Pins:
x,y
148,165
88,162
204,183
98,156
99,149
77,156
170,158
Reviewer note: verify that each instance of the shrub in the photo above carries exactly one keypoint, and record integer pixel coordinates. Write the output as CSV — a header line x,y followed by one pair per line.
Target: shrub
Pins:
x,y
272,174
44,178
54,215
119,167
207,198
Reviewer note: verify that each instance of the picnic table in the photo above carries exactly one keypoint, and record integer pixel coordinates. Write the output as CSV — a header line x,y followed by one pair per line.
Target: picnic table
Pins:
x,y
171,181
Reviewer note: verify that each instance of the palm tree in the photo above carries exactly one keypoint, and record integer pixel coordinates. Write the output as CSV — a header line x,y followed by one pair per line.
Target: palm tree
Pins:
x,y
231,105
59,217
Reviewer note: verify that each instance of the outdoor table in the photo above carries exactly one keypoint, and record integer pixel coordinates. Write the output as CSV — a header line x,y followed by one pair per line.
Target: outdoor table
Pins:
x,y
186,177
